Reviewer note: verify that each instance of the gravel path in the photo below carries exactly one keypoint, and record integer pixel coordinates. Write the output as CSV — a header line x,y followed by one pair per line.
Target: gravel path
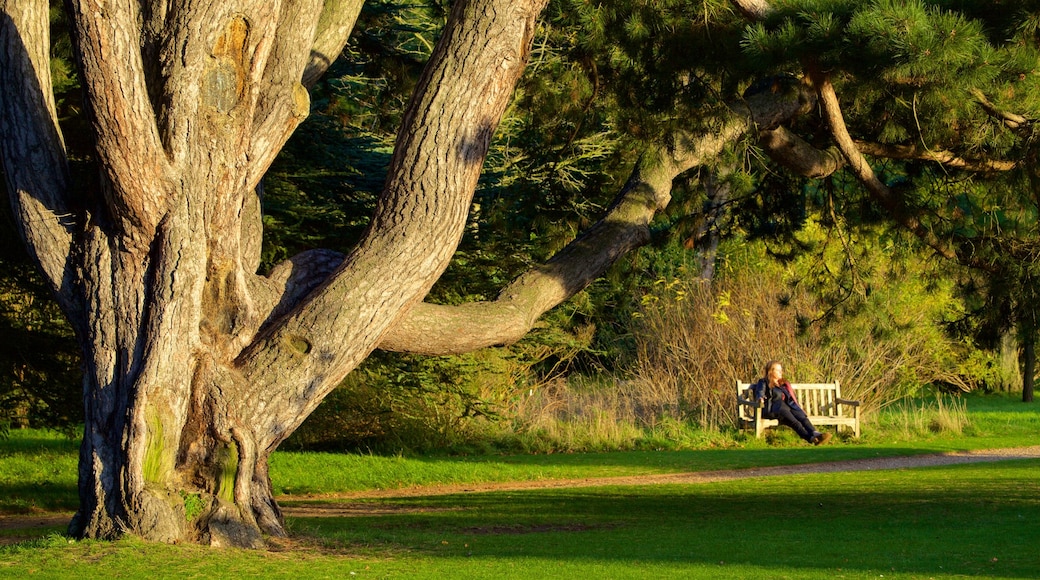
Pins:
x,y
952,458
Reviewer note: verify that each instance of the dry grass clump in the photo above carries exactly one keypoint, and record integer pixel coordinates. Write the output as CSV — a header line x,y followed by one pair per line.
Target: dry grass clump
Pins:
x,y
910,419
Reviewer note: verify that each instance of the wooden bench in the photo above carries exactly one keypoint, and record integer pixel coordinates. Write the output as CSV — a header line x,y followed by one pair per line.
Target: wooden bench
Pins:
x,y
822,403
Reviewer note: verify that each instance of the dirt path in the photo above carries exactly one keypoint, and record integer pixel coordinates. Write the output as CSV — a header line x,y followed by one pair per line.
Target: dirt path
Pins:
x,y
30,523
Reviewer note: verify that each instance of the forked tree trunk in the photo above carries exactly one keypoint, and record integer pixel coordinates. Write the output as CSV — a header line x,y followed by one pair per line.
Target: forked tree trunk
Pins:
x,y
196,367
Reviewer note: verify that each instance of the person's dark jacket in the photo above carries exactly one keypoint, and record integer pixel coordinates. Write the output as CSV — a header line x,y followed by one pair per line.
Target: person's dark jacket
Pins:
x,y
771,399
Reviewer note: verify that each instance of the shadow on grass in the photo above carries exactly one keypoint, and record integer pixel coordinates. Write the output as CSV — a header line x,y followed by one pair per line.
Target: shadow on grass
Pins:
x,y
973,520
45,496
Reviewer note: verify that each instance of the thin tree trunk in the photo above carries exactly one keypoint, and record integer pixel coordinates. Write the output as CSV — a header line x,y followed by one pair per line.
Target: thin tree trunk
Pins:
x,y
1028,365
708,234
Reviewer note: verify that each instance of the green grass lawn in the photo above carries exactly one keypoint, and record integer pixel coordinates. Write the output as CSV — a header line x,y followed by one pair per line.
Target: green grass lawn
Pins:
x,y
979,520
950,522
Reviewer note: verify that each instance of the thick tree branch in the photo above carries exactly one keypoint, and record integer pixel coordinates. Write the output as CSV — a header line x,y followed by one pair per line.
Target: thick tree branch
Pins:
x,y
128,142
32,151
284,103
798,156
435,329
337,21
418,222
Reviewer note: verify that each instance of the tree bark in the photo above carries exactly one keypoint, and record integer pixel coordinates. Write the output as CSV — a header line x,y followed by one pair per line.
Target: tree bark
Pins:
x,y
196,367
1028,364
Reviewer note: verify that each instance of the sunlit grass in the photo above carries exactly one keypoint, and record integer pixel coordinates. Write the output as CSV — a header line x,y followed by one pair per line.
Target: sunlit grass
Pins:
x,y
945,522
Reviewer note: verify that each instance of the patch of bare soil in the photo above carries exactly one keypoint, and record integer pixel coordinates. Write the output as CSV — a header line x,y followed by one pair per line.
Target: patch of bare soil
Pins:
x,y
30,526
32,523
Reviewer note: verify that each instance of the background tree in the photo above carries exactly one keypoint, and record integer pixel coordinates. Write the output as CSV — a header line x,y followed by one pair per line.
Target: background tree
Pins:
x,y
947,164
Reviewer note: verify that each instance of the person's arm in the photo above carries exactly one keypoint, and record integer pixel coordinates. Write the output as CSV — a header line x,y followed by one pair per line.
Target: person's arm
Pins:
x,y
758,391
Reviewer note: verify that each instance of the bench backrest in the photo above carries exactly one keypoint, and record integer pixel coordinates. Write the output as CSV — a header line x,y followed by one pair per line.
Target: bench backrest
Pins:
x,y
818,399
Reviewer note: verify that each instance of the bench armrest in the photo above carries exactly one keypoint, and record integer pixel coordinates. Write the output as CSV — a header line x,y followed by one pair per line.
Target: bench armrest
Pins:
x,y
848,402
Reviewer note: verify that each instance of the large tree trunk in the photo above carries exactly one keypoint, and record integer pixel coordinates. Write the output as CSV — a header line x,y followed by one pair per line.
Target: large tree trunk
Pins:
x,y
196,367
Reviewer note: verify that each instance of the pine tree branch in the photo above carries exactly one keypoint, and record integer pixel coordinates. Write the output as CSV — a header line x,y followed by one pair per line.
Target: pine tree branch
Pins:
x,y
798,156
1012,121
864,173
946,158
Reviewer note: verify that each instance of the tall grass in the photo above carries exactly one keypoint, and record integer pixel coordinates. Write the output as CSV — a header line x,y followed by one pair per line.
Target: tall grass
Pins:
x,y
912,419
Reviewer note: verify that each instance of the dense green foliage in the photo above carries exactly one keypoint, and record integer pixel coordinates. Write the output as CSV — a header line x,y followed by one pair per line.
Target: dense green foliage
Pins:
x,y
39,358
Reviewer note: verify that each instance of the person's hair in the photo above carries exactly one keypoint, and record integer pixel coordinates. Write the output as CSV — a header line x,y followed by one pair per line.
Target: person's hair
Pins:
x,y
769,367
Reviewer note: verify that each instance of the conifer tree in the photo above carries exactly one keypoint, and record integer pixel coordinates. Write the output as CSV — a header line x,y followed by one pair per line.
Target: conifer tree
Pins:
x,y
932,111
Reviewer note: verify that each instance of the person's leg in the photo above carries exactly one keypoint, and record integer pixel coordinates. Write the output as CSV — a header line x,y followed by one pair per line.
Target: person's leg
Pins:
x,y
816,438
799,415
796,419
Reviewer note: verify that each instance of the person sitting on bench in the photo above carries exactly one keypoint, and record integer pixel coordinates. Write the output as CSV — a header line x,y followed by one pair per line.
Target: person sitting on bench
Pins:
x,y
776,397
